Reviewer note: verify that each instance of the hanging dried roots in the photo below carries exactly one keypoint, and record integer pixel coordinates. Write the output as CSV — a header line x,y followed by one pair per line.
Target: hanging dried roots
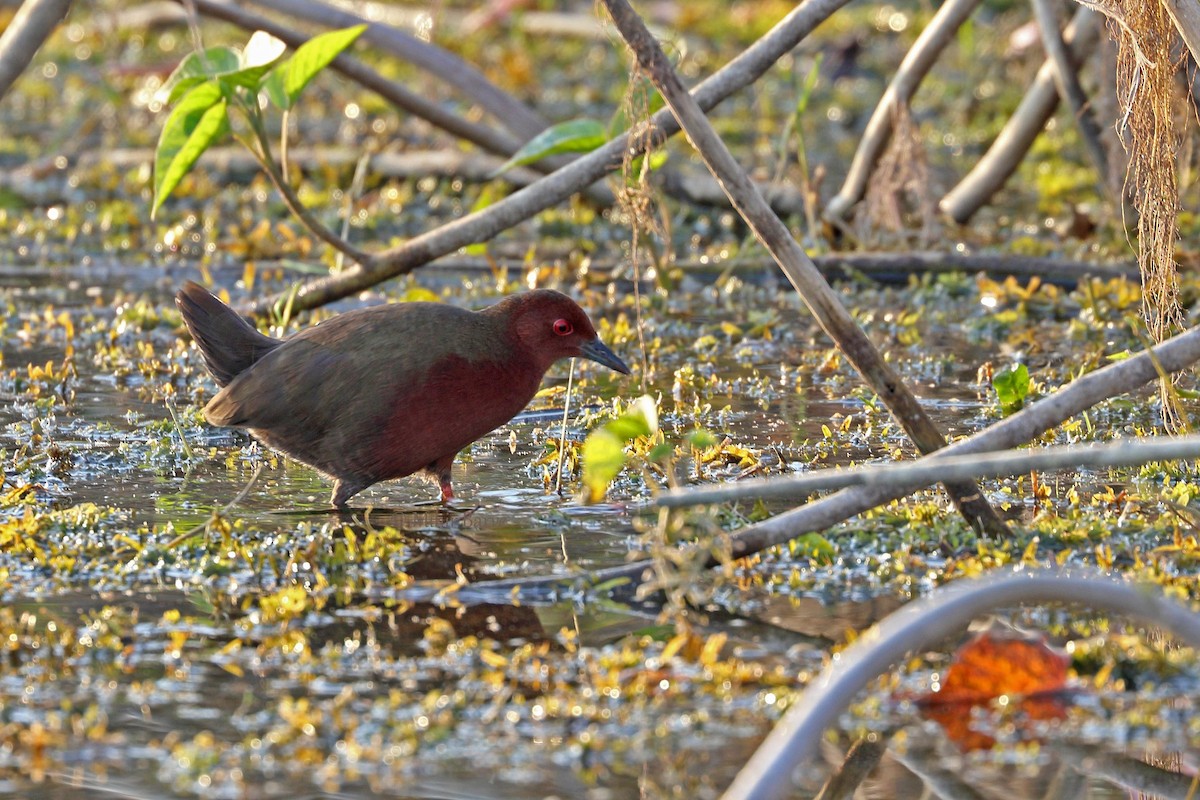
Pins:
x,y
900,183
1145,38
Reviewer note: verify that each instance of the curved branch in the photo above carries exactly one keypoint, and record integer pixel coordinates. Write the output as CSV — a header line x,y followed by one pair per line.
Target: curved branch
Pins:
x,y
524,122
924,623
294,204
352,68
929,45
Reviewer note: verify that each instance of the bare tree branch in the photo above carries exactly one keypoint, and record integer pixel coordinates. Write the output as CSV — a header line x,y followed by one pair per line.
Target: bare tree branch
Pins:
x,y
33,23
1121,453
920,59
795,263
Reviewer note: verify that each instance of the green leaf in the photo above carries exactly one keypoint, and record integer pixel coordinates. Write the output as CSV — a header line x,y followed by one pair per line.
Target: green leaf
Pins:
x,y
814,546
312,57
628,427
701,439
195,123
246,69
273,87
603,458
660,452
573,136
603,451
1012,387
198,68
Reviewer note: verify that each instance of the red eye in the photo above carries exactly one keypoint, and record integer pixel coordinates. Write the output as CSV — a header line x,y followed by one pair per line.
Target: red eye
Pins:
x,y
562,327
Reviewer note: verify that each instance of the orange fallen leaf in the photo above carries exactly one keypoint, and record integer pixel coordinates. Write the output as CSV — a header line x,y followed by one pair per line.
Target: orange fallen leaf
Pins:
x,y
998,662
1001,662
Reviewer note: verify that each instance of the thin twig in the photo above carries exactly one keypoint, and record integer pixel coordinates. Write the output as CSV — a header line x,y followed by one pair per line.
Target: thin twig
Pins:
x,y
187,448
217,513
297,207
562,439
795,263
356,189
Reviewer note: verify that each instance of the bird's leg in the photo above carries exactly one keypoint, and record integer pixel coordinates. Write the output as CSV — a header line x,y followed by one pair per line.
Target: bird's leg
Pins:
x,y
441,468
343,490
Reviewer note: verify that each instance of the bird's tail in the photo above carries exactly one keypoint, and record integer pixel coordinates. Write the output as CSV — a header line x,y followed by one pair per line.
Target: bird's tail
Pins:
x,y
229,343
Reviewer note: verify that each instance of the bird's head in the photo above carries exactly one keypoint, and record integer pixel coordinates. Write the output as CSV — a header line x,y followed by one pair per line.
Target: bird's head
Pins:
x,y
551,326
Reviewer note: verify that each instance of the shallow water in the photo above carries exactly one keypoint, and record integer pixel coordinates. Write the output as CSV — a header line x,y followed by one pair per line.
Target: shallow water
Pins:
x,y
180,669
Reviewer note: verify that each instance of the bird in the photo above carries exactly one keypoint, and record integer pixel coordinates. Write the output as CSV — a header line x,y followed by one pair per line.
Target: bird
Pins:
x,y
386,391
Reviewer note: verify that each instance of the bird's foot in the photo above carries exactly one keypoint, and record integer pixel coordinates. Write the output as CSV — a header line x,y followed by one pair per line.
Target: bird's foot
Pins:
x,y
447,491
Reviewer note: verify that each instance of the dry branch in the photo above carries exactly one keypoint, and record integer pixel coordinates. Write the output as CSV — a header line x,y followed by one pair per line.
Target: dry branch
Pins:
x,y
913,475
924,623
794,262
1035,109
34,21
1066,81
557,187
917,63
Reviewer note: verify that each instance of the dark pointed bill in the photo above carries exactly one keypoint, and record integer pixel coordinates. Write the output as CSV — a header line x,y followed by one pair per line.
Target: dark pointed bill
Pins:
x,y
597,351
